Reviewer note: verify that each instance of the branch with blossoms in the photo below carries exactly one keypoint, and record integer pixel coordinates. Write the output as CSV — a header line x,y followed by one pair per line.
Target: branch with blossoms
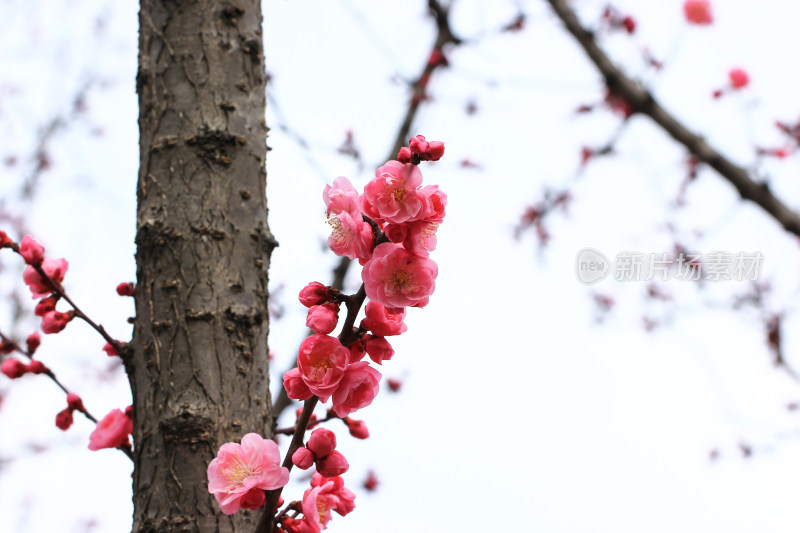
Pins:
x,y
437,59
391,230
44,277
640,100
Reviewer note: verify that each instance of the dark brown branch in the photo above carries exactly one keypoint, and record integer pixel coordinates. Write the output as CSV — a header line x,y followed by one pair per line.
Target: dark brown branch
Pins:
x,y
642,102
49,373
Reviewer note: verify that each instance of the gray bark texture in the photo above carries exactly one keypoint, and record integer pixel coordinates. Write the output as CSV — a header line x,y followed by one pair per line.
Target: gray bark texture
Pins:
x,y
198,360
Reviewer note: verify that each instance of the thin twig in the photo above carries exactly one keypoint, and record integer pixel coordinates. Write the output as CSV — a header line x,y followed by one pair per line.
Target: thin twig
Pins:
x,y
642,101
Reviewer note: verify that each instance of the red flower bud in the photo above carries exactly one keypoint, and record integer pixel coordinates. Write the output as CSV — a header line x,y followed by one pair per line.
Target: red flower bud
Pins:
x,y
13,368
125,289
332,465
64,419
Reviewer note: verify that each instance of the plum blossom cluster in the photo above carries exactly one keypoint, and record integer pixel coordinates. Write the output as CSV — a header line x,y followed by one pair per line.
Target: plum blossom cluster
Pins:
x,y
44,276
390,229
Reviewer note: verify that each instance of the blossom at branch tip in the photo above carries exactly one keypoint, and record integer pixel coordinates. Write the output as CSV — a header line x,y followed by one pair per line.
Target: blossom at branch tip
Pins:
x,y
426,150
31,250
393,195
240,473
395,277
315,293
112,431
55,269
341,197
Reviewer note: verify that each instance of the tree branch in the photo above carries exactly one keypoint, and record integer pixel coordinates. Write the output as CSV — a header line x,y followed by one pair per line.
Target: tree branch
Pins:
x,y
642,102
444,36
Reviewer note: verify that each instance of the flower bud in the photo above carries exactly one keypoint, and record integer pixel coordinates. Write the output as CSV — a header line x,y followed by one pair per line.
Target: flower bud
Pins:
x,y
332,465
33,341
303,458
314,293
13,368
322,442
358,428
64,419
37,367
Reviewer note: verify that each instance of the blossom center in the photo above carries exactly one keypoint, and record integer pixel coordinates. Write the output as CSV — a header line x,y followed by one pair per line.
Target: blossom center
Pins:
x,y
322,509
320,367
238,471
399,193
401,279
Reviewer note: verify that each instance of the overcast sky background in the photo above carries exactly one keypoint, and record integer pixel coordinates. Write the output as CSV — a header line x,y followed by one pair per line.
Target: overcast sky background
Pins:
x,y
523,408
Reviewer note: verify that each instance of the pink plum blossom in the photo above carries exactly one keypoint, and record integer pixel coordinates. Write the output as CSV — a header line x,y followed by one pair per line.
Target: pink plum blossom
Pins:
x,y
384,321
323,318
324,496
322,361
55,270
112,431
421,239
240,473
394,195
295,387
351,236
435,203
357,388
395,277
378,348
31,250
341,197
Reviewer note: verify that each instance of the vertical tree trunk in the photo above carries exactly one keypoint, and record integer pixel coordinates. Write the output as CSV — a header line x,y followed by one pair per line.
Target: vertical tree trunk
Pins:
x,y
198,360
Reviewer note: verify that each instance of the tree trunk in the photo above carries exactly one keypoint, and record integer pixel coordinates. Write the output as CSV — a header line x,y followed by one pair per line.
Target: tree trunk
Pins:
x,y
198,360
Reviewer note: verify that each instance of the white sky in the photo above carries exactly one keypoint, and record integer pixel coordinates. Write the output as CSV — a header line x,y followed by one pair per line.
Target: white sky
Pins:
x,y
519,411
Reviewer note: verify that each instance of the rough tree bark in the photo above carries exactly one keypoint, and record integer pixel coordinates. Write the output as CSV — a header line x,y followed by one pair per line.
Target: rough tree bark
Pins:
x,y
198,360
